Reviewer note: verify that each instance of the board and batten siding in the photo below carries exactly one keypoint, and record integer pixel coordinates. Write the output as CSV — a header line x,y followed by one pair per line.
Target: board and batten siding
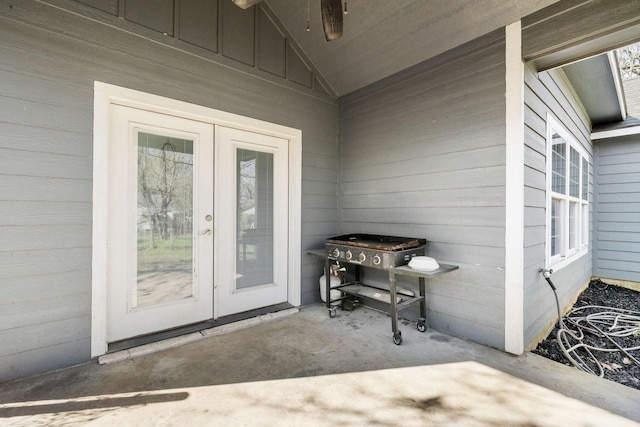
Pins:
x,y
616,253
548,92
49,60
424,156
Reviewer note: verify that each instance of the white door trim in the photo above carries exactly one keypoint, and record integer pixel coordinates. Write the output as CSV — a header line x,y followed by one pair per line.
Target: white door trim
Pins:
x,y
105,95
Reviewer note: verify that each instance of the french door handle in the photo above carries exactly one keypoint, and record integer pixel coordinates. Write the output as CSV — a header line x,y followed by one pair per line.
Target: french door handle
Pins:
x,y
206,232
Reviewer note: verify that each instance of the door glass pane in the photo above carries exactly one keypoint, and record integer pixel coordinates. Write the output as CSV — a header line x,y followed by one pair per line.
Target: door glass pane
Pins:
x,y
254,218
164,220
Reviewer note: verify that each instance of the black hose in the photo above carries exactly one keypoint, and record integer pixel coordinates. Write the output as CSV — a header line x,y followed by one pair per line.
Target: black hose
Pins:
x,y
548,279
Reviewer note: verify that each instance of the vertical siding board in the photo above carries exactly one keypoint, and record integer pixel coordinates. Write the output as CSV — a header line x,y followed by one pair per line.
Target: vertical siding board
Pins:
x,y
238,55
297,69
109,6
410,145
271,47
238,36
46,124
160,20
198,23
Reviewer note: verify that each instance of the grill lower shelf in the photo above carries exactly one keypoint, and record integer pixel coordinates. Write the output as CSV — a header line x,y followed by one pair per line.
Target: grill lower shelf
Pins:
x,y
371,293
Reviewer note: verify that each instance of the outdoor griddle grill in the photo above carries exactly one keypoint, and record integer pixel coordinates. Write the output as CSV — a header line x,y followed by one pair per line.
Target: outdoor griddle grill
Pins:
x,y
385,253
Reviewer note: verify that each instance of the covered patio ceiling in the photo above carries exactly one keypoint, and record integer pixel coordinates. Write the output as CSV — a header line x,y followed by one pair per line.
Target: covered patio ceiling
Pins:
x,y
383,37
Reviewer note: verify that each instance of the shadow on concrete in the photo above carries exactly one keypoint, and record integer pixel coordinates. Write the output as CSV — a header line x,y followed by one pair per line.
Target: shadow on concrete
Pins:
x,y
103,402
309,369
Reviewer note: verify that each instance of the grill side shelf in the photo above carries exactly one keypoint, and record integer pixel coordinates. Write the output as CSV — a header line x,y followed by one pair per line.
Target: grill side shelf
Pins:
x,y
408,271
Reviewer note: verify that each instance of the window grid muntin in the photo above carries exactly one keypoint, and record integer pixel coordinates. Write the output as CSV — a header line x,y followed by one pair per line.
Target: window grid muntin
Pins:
x,y
568,231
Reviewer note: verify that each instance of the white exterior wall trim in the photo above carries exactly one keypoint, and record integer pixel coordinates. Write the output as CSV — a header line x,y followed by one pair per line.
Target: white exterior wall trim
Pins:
x,y
514,188
104,96
633,130
617,82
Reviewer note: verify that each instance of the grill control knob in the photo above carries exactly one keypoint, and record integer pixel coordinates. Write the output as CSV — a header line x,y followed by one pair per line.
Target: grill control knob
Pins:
x,y
348,255
362,257
336,253
376,260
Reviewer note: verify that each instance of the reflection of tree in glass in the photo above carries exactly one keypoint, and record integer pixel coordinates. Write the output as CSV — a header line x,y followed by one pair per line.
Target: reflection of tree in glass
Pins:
x,y
165,189
247,191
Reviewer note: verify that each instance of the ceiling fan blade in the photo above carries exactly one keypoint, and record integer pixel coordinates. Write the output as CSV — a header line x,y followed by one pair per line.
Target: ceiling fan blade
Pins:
x,y
246,4
332,18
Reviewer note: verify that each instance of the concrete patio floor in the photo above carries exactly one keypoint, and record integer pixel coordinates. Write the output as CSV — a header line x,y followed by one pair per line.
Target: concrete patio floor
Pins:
x,y
308,369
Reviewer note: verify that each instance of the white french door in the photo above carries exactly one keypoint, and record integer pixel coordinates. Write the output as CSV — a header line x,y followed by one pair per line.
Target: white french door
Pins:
x,y
163,225
160,216
164,254
252,221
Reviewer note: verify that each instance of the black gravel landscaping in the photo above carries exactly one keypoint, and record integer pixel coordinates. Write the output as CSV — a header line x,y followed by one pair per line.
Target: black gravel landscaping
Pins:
x,y
602,328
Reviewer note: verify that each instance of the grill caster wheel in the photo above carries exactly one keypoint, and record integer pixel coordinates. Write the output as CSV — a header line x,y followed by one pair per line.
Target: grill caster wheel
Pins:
x,y
397,338
421,325
332,312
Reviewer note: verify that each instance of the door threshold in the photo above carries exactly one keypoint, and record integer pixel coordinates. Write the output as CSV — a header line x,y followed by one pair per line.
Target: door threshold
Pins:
x,y
146,344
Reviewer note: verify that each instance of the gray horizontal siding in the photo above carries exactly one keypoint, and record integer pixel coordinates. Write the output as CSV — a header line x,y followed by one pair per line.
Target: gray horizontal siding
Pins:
x,y
617,215
423,155
547,92
49,60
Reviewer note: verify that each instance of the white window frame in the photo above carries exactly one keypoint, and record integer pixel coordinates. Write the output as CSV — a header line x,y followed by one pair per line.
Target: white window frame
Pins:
x,y
567,253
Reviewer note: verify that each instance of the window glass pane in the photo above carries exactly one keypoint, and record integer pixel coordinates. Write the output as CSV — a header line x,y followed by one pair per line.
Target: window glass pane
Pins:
x,y
573,225
585,179
585,224
574,175
558,164
556,226
164,219
255,198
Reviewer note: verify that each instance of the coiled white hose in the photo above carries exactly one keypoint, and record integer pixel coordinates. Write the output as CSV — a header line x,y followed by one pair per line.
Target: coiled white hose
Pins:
x,y
605,322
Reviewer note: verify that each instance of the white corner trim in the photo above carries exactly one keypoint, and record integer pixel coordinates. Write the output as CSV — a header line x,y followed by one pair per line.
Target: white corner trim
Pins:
x,y
514,197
